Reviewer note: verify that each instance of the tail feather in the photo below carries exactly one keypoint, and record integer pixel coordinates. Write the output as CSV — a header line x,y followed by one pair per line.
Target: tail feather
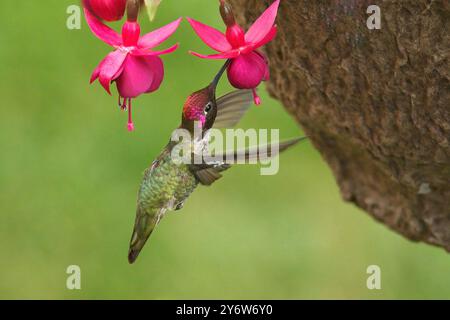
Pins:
x,y
136,247
143,228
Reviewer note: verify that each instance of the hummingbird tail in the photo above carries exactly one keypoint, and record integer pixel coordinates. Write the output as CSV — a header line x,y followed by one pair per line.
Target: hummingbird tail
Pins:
x,y
135,249
143,228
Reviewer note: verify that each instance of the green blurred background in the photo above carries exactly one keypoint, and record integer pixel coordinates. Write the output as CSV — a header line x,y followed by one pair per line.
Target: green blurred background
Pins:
x,y
69,173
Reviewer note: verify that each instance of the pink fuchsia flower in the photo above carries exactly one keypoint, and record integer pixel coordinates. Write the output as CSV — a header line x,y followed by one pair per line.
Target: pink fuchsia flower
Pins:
x,y
133,66
248,67
109,10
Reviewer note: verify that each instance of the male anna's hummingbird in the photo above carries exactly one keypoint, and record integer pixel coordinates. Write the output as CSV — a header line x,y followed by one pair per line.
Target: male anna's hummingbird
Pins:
x,y
167,184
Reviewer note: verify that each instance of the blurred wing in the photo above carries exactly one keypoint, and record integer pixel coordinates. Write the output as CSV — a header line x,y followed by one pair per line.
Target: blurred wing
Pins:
x,y
207,174
232,107
262,152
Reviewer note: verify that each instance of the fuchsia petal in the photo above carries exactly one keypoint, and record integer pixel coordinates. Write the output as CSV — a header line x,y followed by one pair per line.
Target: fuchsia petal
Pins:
x,y
101,31
96,72
140,74
247,71
110,68
147,52
154,38
212,37
226,55
259,30
267,73
269,37
157,67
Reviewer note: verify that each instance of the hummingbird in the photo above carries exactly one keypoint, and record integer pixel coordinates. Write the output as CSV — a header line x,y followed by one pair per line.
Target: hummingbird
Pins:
x,y
166,184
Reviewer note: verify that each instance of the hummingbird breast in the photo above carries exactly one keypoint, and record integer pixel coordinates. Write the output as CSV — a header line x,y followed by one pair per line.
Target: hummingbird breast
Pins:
x,y
165,185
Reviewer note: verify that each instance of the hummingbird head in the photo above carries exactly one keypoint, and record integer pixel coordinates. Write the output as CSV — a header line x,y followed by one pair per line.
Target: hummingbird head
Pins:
x,y
201,107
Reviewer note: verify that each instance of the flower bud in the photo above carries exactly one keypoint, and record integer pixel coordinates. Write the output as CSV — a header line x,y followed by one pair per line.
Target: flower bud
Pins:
x,y
226,11
235,35
109,10
133,10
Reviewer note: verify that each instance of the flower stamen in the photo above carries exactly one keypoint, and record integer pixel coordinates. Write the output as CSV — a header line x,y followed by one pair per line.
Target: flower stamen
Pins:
x,y
256,98
130,125
123,104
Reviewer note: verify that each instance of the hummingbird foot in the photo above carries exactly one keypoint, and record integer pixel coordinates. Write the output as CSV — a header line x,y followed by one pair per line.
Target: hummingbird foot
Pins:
x,y
179,206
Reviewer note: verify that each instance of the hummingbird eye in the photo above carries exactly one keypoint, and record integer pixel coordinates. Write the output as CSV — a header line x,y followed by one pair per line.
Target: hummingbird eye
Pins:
x,y
208,107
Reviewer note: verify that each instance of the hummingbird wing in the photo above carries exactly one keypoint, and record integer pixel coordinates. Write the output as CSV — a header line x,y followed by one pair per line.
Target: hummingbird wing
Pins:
x,y
232,107
207,176
262,152
208,173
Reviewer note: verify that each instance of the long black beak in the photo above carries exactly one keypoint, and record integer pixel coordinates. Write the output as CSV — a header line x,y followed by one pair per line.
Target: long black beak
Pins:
x,y
219,75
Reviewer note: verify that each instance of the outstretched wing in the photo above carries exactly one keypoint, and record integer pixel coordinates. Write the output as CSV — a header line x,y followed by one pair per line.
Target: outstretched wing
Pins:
x,y
232,107
262,152
208,173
